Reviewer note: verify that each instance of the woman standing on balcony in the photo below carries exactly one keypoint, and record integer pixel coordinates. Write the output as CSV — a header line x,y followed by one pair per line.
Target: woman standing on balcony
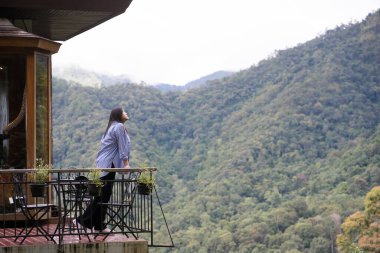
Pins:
x,y
113,153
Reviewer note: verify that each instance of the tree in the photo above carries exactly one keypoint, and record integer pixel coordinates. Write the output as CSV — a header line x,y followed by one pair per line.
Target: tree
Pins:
x,y
361,230
319,245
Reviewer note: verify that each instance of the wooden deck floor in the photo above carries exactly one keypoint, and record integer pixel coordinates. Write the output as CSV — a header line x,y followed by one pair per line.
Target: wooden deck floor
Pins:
x,y
8,236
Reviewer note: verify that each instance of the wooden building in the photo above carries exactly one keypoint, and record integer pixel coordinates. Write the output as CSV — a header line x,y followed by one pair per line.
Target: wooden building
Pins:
x,y
28,34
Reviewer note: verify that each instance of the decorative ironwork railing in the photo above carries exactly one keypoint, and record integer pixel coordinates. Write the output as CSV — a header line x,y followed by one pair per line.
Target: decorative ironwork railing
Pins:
x,y
67,202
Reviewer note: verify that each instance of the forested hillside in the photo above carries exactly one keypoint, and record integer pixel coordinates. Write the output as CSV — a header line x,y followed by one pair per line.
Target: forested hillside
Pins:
x,y
194,84
270,159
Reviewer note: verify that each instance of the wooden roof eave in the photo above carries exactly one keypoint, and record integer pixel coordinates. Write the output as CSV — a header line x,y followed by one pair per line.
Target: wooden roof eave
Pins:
x,y
33,43
60,20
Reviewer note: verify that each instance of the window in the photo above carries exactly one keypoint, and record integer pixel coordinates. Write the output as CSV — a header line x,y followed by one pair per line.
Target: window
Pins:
x,y
42,106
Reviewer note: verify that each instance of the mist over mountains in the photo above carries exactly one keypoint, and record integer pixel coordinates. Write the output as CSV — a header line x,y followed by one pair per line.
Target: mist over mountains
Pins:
x,y
80,76
83,77
269,159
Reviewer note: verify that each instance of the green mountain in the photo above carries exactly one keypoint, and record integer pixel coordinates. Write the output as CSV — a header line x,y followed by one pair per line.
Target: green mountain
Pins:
x,y
270,159
164,87
203,80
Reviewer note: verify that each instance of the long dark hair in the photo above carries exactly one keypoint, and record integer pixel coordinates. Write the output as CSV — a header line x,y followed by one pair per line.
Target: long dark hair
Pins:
x,y
115,115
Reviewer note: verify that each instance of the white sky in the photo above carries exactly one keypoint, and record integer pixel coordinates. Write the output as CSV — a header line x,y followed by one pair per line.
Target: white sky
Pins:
x,y
177,41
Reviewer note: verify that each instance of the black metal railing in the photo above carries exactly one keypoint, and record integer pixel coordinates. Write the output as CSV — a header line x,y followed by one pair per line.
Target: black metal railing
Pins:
x,y
57,213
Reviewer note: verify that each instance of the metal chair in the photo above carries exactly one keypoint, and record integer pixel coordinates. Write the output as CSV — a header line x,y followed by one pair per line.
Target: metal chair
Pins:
x,y
118,209
34,213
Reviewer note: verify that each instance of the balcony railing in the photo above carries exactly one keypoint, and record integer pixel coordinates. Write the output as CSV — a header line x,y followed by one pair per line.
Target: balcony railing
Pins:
x,y
56,215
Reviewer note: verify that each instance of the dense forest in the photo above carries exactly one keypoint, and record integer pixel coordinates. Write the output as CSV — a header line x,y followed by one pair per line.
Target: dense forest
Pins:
x,y
270,159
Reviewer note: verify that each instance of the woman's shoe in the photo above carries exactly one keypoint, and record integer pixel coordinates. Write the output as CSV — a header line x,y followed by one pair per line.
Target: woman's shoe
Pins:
x,y
77,224
103,231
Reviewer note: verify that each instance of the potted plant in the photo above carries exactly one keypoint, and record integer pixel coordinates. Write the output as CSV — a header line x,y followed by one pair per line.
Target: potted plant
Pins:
x,y
40,178
94,182
145,182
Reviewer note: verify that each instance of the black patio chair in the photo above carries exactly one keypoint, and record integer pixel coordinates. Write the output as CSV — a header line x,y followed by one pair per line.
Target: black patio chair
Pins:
x,y
119,208
34,213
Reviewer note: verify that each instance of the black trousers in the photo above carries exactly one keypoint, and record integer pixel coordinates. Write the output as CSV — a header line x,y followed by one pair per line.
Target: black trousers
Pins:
x,y
95,214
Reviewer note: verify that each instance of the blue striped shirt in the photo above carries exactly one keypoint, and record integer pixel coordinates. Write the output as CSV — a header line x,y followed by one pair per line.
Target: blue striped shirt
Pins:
x,y
115,147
